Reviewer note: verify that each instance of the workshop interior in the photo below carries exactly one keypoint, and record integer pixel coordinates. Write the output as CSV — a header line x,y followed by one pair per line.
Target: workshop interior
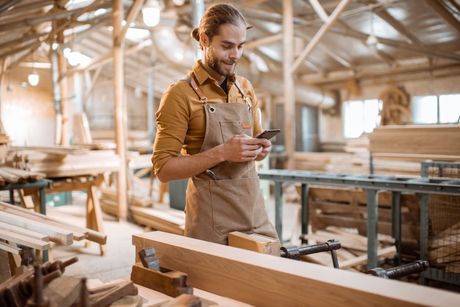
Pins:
x,y
229,153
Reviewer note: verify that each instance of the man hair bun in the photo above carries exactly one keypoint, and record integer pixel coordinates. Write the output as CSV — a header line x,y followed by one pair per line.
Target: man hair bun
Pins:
x,y
195,34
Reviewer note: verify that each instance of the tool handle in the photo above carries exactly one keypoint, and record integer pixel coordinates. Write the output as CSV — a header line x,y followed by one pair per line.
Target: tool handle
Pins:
x,y
407,269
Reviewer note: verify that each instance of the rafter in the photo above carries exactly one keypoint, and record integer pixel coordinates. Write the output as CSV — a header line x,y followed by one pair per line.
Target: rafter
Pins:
x,y
398,44
322,31
444,13
132,14
383,14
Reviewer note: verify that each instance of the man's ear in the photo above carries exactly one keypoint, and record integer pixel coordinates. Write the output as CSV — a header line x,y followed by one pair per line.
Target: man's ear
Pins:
x,y
204,40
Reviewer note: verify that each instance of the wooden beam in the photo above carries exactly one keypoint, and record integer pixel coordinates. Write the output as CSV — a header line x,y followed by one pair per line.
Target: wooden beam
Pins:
x,y
319,10
62,69
398,26
120,107
54,233
289,89
444,13
132,14
265,280
322,31
326,50
6,5
398,44
25,6
266,40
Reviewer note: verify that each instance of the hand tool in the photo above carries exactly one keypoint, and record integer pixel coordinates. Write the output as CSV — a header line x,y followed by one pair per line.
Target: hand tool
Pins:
x,y
400,271
294,252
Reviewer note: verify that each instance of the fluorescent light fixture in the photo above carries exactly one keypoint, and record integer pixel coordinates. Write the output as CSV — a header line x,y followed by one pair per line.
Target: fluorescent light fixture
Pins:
x,y
178,2
137,35
151,13
76,58
100,12
33,78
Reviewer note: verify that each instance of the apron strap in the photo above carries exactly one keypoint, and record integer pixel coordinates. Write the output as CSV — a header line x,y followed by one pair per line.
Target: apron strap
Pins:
x,y
240,89
196,89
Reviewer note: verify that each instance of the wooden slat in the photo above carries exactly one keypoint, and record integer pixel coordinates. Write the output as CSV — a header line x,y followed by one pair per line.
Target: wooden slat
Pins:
x,y
264,280
23,231
79,233
23,240
55,234
9,248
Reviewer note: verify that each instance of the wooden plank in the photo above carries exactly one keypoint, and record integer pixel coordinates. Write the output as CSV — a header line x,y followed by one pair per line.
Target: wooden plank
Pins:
x,y
79,233
10,249
24,232
254,242
381,252
55,234
264,280
24,240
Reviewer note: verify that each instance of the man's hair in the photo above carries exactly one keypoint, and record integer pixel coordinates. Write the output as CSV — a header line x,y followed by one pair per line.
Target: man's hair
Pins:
x,y
215,16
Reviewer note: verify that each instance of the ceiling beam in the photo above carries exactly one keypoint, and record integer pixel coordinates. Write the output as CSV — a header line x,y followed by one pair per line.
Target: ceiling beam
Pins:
x,y
53,15
398,26
26,6
132,15
326,50
444,13
266,40
322,31
398,44
6,5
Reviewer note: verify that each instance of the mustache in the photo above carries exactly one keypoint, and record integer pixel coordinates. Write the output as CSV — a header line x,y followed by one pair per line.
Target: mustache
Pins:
x,y
230,62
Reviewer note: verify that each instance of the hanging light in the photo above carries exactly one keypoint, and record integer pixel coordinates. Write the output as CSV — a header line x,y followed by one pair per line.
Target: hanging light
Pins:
x,y
33,78
372,39
151,13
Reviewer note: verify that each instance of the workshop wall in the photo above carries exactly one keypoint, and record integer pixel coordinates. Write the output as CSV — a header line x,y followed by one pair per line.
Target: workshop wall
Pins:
x,y
27,112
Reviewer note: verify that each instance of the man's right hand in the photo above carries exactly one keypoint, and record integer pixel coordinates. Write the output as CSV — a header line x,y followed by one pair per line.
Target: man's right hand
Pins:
x,y
242,148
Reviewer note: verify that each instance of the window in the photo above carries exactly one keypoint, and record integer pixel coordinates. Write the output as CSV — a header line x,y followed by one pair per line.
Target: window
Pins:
x,y
361,116
440,109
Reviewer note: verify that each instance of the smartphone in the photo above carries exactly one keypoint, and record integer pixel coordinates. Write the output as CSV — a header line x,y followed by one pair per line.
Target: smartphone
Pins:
x,y
268,134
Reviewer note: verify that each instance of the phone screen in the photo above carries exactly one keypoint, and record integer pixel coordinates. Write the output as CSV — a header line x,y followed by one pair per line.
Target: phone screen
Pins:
x,y
268,134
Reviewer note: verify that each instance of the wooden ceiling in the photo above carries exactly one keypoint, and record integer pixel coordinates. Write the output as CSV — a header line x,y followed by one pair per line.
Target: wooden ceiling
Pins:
x,y
413,38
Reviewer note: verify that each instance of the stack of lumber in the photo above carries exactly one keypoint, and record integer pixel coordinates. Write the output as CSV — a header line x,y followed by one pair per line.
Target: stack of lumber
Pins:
x,y
347,207
34,230
445,249
330,162
353,251
164,219
400,149
353,158
444,240
13,175
420,139
59,161
109,200
135,139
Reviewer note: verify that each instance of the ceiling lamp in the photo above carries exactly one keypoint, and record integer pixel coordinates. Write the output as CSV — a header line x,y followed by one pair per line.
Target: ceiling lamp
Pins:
x,y
33,78
372,39
151,13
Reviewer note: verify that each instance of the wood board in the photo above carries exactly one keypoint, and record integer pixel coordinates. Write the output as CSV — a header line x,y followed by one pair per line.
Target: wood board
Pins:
x,y
264,280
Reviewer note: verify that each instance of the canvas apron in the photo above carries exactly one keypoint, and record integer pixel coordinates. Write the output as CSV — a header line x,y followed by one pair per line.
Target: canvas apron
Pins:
x,y
227,197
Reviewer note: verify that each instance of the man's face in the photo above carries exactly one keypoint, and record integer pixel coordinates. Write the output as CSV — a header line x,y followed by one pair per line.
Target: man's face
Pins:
x,y
225,49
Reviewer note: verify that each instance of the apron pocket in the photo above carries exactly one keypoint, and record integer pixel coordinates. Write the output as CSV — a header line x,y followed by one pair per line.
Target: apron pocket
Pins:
x,y
233,203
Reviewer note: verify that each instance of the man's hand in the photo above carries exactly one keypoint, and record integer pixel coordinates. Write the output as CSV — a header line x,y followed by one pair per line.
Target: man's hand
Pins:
x,y
243,148
266,148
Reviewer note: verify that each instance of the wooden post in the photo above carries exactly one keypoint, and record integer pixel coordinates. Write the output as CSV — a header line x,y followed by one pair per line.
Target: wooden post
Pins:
x,y
289,98
62,68
120,108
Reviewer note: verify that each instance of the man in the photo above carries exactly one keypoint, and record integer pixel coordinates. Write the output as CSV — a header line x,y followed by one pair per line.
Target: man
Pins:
x,y
211,118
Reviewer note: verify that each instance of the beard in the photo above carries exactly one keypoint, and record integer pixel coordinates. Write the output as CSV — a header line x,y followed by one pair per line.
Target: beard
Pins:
x,y
219,65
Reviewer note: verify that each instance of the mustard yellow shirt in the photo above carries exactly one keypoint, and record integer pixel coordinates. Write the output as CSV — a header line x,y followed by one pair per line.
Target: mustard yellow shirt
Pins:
x,y
181,120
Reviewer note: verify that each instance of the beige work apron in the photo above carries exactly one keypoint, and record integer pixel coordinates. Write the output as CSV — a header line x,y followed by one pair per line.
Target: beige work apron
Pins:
x,y
227,197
